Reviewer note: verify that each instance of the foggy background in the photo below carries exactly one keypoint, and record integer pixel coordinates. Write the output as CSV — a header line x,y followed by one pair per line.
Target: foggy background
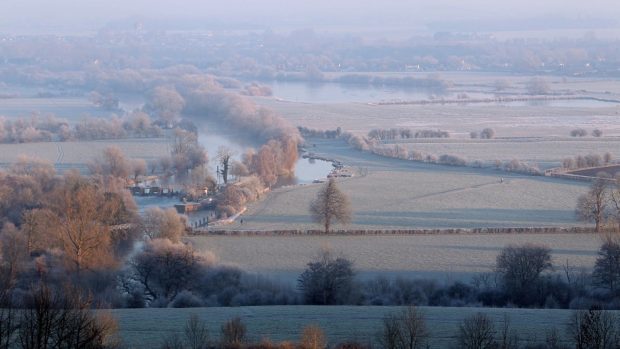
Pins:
x,y
73,16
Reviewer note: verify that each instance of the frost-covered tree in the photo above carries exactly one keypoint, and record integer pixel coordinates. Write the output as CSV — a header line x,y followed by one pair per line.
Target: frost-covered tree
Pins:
x,y
331,205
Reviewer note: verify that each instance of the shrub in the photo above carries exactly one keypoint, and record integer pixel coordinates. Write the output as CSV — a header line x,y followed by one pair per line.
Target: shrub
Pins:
x,y
476,332
578,132
233,333
487,133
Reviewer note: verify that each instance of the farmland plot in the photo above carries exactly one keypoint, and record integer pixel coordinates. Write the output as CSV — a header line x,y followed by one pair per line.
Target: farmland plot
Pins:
x,y
459,120
443,257
545,152
397,194
67,155
72,109
146,328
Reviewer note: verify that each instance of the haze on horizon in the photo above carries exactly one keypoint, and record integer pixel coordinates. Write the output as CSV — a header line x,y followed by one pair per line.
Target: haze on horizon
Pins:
x,y
71,16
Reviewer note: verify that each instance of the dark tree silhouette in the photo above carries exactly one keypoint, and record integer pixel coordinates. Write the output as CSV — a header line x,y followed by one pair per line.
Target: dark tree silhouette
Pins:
x,y
327,280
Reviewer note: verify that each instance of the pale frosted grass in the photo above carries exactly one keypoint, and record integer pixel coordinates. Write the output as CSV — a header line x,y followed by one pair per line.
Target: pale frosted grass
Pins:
x,y
443,257
81,152
145,328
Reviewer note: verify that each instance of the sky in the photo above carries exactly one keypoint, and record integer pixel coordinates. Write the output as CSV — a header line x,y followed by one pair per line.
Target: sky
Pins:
x,y
90,15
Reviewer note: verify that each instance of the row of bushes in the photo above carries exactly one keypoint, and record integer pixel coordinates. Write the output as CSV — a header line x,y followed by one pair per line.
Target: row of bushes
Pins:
x,y
584,161
399,151
581,132
405,133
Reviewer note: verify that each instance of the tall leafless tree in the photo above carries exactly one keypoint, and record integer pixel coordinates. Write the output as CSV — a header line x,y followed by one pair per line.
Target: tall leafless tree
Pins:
x,y
224,155
477,332
331,205
592,206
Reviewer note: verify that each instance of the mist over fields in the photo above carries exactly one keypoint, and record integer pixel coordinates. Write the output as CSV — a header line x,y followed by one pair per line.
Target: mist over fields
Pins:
x,y
23,16
323,174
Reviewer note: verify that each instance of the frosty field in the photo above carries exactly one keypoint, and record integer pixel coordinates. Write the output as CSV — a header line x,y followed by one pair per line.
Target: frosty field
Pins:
x,y
146,328
441,257
545,152
66,155
398,194
459,120
71,108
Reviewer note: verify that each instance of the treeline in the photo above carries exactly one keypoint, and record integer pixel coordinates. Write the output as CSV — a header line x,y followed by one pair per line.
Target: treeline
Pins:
x,y
269,55
316,133
405,133
399,151
581,132
50,128
584,161
523,276
48,317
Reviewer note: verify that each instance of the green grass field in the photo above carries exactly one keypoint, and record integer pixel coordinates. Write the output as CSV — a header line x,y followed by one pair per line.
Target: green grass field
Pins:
x,y
145,328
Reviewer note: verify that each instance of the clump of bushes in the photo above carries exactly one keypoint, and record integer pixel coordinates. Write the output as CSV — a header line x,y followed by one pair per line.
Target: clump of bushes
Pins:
x,y
404,133
487,133
584,161
578,132
315,133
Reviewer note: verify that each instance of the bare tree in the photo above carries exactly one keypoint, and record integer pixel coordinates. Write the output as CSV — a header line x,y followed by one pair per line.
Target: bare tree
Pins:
x,y
112,162
166,102
405,330
593,329
607,266
508,339
163,270
538,86
331,205
239,169
78,209
593,205
312,337
521,267
487,133
390,335
64,320
224,155
196,333
138,168
614,199
476,332
158,223
233,333
328,280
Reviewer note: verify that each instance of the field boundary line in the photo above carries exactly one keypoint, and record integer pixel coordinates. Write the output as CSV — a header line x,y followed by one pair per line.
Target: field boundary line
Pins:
x,y
462,231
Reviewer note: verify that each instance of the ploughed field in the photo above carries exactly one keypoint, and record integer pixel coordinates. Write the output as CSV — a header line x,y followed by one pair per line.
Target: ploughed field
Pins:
x,y
146,328
443,257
